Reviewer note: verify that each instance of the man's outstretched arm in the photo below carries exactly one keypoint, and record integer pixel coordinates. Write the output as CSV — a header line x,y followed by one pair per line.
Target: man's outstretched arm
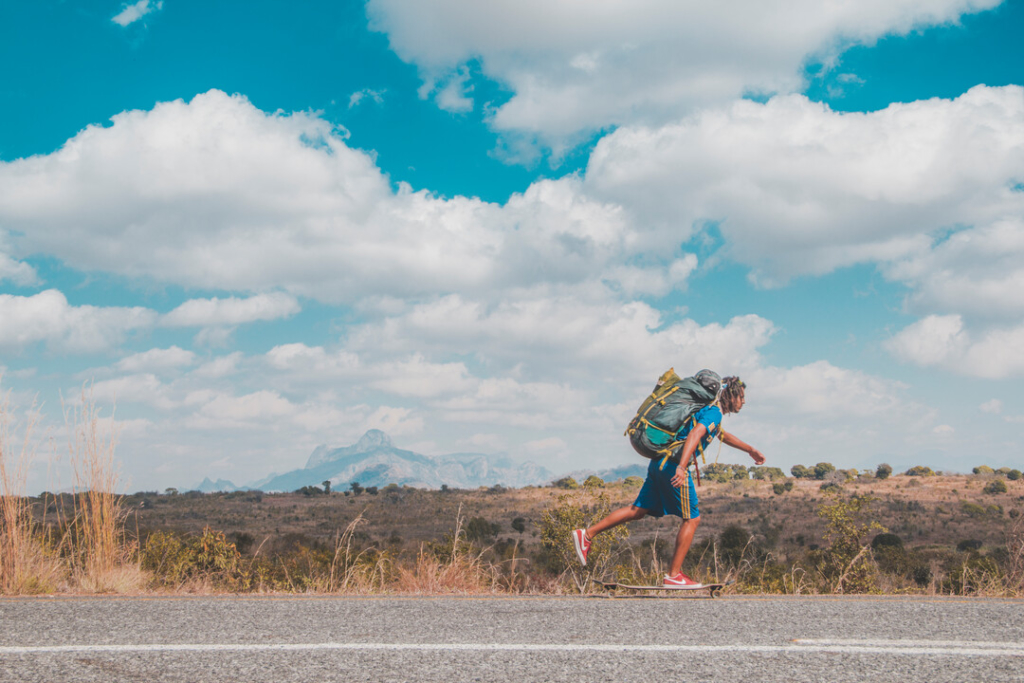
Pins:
x,y
730,440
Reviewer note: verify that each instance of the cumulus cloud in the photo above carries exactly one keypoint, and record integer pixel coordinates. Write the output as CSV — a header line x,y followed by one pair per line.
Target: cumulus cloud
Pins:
x,y
48,318
231,311
156,360
217,194
799,189
356,98
129,14
576,67
944,341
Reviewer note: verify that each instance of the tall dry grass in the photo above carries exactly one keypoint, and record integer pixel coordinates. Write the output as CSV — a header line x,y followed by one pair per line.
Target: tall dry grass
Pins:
x,y
101,556
26,565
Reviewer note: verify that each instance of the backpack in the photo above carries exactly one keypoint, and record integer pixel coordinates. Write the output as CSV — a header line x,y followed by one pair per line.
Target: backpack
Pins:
x,y
673,401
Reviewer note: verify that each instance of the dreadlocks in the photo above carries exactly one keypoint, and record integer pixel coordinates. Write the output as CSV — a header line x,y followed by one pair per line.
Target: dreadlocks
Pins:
x,y
733,388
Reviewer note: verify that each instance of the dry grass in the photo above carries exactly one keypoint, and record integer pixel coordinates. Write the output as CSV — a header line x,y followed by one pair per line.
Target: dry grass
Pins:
x,y
26,566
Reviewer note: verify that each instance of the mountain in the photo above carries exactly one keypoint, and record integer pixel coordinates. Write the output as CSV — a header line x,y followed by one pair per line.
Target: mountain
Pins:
x,y
207,486
614,474
375,461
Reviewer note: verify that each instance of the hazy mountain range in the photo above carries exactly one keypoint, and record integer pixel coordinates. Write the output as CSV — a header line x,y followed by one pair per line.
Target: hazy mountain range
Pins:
x,y
375,461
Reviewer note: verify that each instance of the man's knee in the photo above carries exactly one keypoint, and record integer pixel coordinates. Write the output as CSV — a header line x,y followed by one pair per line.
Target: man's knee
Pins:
x,y
638,513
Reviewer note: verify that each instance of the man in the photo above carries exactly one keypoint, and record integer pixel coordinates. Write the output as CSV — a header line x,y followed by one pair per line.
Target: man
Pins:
x,y
669,487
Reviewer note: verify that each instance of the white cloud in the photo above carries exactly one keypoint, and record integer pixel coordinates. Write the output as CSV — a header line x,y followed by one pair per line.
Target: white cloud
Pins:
x,y
583,66
132,13
453,96
48,318
797,189
995,406
377,96
944,341
216,194
231,311
156,360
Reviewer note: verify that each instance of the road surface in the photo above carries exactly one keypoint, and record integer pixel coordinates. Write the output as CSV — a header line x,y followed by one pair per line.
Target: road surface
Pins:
x,y
454,639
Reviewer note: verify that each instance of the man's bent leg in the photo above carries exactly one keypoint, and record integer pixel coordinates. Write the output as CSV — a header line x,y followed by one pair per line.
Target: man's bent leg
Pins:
x,y
616,518
683,541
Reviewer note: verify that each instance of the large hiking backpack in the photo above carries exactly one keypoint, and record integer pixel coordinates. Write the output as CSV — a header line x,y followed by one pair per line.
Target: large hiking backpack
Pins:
x,y
666,410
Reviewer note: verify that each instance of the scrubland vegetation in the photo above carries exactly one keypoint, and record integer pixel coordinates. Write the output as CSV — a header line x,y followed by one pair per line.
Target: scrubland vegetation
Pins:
x,y
821,530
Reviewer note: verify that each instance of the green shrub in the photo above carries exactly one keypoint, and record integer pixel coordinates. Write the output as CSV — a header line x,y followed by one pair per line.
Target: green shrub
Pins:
x,y
566,483
577,510
593,482
886,540
732,542
995,486
767,473
844,566
519,524
983,469
175,559
884,471
778,488
1003,471
800,472
968,545
920,471
788,485
1013,475
972,509
823,469
633,481
480,530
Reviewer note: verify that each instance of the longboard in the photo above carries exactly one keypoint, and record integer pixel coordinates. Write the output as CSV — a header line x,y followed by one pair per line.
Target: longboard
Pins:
x,y
714,589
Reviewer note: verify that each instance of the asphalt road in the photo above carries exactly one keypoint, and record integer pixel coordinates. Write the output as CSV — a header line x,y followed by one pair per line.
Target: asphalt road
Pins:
x,y
279,639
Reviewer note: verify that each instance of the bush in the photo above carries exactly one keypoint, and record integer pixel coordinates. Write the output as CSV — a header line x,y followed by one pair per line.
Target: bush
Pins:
x,y
968,545
886,540
845,566
1003,471
830,486
823,469
884,471
983,469
519,524
593,482
566,483
175,559
778,488
800,472
578,510
995,486
920,471
479,529
633,481
788,485
1013,475
733,541
972,509
767,473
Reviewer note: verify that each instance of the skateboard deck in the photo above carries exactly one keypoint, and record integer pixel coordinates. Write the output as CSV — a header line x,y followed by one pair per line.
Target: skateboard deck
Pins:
x,y
714,589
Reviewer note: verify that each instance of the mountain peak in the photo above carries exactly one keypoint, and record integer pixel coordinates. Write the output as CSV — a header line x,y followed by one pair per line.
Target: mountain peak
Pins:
x,y
373,438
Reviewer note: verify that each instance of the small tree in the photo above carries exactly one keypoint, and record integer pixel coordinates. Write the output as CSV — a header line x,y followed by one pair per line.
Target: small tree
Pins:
x,y
1014,475
800,472
995,486
845,564
632,481
920,471
823,469
519,524
327,485
983,469
566,483
356,488
593,482
884,471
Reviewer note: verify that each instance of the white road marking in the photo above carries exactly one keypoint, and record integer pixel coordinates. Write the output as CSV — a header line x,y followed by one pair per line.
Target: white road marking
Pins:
x,y
801,646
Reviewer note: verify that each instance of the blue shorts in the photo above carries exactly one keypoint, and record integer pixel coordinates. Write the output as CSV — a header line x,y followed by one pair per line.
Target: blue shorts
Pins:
x,y
660,498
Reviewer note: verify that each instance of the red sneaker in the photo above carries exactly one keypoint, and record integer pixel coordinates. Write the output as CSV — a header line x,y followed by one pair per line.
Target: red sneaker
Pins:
x,y
680,580
582,543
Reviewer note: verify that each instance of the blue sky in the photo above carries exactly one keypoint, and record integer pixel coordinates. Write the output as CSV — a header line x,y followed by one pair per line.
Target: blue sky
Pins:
x,y
255,228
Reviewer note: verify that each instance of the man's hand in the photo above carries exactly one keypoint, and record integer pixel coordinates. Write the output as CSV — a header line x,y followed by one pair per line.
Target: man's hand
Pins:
x,y
756,455
679,478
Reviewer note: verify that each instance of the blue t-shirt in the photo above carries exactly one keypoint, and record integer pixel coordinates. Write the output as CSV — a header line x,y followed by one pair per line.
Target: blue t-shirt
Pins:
x,y
710,417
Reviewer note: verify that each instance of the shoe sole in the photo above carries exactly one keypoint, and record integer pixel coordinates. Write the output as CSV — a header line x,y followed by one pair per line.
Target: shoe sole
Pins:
x,y
579,548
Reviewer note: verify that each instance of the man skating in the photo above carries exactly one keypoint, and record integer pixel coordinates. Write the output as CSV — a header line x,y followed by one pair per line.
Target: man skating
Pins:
x,y
669,487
